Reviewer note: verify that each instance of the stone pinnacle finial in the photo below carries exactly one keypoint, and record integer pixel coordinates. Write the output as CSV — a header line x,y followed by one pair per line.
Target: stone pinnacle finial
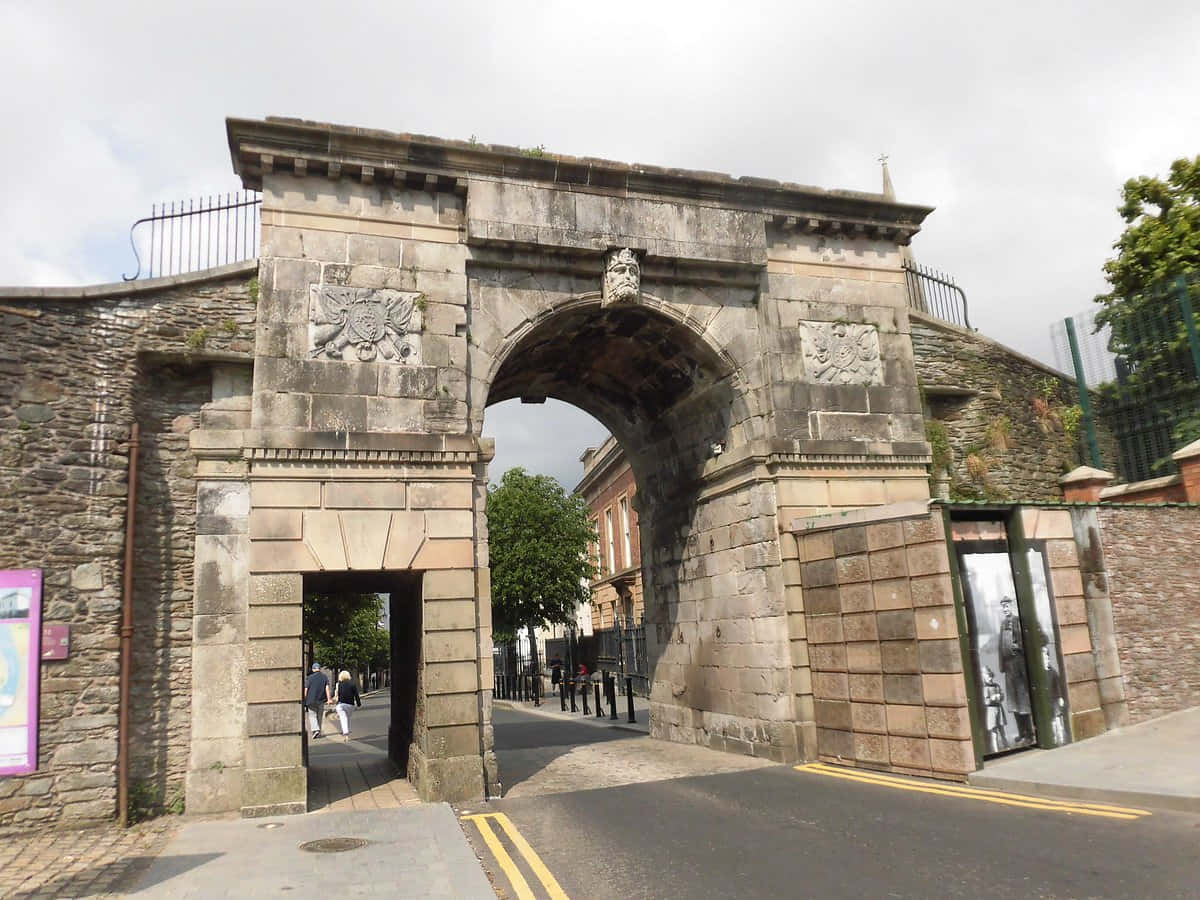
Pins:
x,y
888,190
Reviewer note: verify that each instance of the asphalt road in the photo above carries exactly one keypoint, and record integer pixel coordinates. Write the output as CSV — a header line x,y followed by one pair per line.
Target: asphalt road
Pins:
x,y
778,832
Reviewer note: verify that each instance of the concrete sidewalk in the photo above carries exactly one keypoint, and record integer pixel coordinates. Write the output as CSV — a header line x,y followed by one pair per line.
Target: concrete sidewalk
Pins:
x,y
418,851
552,708
1154,764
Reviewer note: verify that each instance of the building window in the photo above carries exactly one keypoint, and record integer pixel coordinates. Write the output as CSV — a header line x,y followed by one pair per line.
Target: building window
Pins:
x,y
612,543
595,549
625,531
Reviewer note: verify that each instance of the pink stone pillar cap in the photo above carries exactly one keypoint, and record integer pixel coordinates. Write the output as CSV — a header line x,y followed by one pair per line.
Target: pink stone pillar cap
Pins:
x,y
1187,452
1087,475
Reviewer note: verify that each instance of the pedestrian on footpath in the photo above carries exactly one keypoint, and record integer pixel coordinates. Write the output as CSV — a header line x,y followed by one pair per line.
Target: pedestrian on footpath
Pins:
x,y
316,694
347,699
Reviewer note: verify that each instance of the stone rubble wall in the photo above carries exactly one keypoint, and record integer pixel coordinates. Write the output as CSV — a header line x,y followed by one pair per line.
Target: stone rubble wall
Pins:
x,y
74,367
991,383
1151,560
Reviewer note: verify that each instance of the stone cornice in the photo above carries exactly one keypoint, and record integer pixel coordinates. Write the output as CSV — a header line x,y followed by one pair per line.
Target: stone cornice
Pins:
x,y
298,147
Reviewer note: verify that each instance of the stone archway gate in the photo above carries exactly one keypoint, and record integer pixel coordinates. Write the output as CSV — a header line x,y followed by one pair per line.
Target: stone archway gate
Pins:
x,y
754,361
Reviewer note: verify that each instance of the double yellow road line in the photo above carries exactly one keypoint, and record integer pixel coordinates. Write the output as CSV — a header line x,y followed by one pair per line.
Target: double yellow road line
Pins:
x,y
961,791
483,821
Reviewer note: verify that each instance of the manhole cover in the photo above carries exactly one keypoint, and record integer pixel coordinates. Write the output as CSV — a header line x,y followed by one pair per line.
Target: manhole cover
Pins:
x,y
333,845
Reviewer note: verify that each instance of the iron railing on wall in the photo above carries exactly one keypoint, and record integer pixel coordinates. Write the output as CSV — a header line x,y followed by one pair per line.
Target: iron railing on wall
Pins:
x,y
935,293
193,235
1138,376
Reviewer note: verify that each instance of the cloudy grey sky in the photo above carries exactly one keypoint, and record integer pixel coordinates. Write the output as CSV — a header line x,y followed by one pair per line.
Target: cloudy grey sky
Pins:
x,y
1019,122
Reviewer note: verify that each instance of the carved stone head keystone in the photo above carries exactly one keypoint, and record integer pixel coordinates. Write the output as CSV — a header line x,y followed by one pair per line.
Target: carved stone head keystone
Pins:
x,y
622,277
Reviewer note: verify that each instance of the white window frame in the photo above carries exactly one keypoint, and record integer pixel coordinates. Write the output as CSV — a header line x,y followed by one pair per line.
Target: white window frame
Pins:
x,y
612,544
624,505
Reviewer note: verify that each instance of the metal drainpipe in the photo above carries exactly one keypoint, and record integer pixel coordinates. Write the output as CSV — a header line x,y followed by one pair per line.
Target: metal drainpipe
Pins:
x,y
135,435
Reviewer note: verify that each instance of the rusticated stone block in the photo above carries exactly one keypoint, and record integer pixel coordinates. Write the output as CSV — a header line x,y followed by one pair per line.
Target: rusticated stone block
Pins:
x,y
900,656
848,541
909,752
822,600
954,756
903,689
819,573
866,687
948,722
830,686
940,656
853,569
871,748
816,546
906,720
859,627
927,559
835,744
832,714
893,594
824,629
888,564
857,597
885,535
944,690
895,625
870,717
932,590
863,657
827,657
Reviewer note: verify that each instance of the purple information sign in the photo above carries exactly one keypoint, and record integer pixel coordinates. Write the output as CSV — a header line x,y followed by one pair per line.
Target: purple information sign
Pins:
x,y
20,654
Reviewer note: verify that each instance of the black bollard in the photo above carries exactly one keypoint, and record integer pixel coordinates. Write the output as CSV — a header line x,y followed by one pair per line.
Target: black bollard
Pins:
x,y
562,694
571,691
612,697
537,690
583,692
629,697
599,706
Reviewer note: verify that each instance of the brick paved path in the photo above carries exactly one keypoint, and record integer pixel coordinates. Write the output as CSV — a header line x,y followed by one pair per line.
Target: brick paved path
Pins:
x,y
94,862
369,783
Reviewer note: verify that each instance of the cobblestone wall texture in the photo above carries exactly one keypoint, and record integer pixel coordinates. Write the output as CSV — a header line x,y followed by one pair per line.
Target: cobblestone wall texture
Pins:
x,y
72,372
997,406
1151,558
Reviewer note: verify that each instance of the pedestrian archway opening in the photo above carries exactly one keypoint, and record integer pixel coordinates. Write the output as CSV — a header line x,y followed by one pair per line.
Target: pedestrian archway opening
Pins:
x,y
367,625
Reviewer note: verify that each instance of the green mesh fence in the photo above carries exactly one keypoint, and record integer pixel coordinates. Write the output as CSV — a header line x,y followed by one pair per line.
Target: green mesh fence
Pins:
x,y
1141,360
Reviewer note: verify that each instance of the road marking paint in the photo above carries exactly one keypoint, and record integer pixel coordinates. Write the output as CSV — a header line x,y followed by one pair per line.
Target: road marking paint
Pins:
x,y
988,792
1065,806
549,882
511,872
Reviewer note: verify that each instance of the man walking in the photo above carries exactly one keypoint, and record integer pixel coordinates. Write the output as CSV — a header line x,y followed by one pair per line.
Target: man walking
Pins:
x,y
316,694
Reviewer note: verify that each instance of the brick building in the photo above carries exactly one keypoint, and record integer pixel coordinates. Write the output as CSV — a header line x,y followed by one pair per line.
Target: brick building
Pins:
x,y
610,490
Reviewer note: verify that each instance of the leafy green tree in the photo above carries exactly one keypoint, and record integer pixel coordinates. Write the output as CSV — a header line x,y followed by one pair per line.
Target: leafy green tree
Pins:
x,y
344,631
1161,241
537,540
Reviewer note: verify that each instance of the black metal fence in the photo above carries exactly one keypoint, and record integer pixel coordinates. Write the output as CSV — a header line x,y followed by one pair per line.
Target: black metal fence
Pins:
x,y
196,234
935,293
1137,367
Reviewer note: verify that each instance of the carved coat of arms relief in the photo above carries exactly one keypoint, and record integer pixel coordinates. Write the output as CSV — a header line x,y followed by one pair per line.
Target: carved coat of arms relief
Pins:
x,y
364,324
841,353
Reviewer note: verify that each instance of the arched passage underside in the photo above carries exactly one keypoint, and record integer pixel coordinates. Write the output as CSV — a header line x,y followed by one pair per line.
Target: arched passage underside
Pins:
x,y
628,366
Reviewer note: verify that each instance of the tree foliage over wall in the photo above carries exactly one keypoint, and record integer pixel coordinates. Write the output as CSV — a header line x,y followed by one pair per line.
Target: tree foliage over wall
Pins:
x,y
1156,399
344,631
537,540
